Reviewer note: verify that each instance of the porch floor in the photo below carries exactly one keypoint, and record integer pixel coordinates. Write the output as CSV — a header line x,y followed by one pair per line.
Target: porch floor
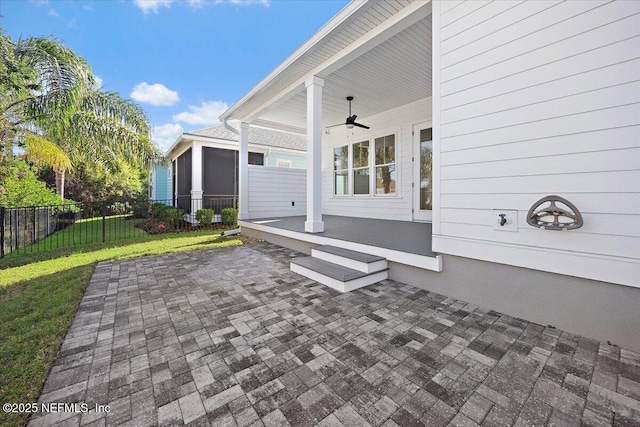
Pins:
x,y
404,236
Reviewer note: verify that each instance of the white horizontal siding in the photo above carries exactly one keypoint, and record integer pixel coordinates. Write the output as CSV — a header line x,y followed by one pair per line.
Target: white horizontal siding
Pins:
x,y
583,142
598,203
545,46
271,191
615,224
563,165
561,125
541,98
399,121
610,182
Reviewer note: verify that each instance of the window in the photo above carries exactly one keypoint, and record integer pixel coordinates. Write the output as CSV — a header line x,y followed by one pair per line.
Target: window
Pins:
x,y
341,170
256,159
366,162
283,163
360,166
426,169
386,164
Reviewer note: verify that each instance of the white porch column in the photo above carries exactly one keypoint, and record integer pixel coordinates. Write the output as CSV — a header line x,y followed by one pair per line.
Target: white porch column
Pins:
x,y
243,175
314,222
196,178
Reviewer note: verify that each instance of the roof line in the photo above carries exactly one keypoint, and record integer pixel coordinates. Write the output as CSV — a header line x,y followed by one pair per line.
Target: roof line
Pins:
x,y
325,31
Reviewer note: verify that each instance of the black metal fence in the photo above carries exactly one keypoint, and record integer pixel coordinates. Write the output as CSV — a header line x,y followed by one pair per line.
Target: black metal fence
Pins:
x,y
38,228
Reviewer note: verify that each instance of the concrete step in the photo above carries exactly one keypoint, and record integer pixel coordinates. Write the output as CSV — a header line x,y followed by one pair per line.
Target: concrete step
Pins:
x,y
336,276
347,258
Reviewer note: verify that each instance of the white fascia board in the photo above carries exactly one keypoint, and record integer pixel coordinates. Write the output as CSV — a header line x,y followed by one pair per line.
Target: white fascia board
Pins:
x,y
181,150
174,147
339,21
275,149
209,139
407,17
178,148
233,144
268,124
230,145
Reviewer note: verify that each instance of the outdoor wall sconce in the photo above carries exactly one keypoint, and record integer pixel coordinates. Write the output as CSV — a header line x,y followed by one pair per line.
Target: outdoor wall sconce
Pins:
x,y
545,213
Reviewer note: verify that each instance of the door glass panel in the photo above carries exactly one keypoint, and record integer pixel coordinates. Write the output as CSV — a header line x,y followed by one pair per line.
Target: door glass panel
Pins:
x,y
426,169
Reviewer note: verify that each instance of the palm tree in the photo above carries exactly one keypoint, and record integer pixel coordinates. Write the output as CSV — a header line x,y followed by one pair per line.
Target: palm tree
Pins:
x,y
48,98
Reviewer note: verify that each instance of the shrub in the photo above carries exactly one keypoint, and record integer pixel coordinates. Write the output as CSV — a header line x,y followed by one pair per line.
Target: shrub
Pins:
x,y
19,186
159,210
140,208
204,216
119,208
229,216
174,216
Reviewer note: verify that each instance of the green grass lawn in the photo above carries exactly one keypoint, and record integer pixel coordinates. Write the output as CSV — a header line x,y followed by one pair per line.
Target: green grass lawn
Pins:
x,y
39,296
86,232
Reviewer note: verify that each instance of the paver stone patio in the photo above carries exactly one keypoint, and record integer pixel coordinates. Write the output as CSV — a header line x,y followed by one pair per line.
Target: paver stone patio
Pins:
x,y
232,337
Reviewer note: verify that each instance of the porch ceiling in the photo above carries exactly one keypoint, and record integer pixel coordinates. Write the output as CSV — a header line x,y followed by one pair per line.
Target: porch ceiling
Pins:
x,y
378,52
394,73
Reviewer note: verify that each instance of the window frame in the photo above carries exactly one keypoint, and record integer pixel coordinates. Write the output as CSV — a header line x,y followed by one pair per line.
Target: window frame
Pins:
x,y
394,163
335,170
371,167
353,169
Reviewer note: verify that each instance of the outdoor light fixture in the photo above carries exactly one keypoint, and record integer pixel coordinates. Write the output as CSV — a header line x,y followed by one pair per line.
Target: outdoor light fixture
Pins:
x,y
350,122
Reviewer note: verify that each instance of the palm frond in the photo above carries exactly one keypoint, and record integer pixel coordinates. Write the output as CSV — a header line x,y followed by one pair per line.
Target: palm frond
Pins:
x,y
43,152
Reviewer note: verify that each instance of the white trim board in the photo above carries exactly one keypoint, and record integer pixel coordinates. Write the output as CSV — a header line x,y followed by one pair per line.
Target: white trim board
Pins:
x,y
589,266
343,287
414,260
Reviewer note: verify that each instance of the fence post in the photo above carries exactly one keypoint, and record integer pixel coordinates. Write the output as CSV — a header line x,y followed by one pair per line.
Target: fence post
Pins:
x,y
33,239
2,232
104,214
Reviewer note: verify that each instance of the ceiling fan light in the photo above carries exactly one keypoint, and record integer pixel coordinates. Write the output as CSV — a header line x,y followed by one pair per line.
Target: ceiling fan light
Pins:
x,y
349,125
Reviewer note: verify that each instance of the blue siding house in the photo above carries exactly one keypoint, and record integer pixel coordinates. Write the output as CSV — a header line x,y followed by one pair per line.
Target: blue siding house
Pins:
x,y
160,183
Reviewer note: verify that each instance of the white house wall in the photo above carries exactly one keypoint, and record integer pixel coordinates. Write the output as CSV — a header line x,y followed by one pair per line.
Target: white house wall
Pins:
x,y
540,98
398,121
272,191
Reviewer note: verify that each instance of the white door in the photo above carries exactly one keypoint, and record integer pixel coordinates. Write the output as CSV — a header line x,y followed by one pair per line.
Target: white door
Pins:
x,y
422,172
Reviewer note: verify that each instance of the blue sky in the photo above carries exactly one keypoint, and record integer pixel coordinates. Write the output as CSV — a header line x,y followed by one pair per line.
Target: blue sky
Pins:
x,y
184,62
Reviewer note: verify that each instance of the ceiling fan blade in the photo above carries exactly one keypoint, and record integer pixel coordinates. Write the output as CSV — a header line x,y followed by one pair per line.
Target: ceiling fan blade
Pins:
x,y
333,126
361,126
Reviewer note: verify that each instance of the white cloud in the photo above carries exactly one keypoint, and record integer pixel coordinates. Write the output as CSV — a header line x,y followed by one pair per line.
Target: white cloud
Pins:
x,y
205,114
99,81
148,6
165,135
153,6
155,94
265,3
52,12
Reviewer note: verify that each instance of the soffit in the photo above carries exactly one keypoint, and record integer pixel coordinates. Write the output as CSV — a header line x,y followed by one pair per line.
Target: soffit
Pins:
x,y
394,73
368,16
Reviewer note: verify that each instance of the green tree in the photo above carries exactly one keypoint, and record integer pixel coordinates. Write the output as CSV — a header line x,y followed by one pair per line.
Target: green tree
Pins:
x,y
49,99
19,186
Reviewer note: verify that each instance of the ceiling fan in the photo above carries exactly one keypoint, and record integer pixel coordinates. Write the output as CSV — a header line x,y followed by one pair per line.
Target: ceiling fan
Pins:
x,y
351,120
